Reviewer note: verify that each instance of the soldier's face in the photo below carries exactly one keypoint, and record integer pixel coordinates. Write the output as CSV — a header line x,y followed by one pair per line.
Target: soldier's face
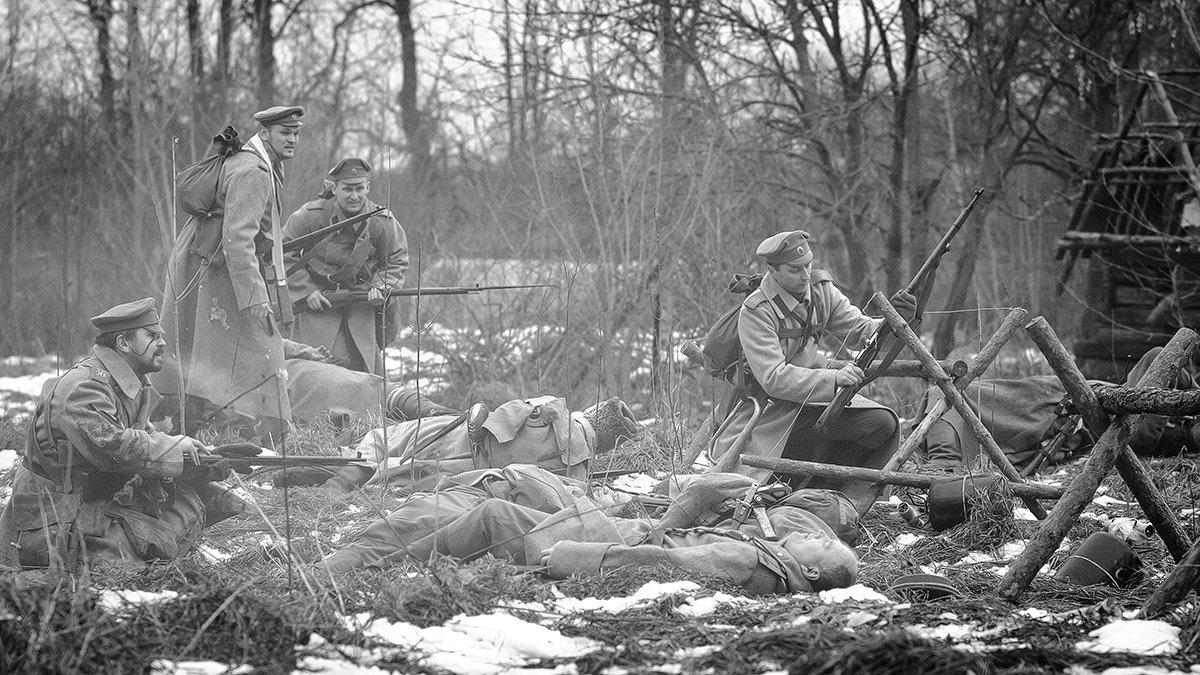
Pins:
x,y
819,551
794,277
351,196
144,352
282,139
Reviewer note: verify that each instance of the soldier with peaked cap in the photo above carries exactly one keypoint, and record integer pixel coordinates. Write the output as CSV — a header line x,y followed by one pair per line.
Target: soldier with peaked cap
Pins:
x,y
97,483
780,325
370,258
225,278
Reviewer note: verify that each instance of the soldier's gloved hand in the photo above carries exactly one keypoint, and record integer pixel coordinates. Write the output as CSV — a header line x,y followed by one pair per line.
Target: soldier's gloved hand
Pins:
x,y
849,375
905,304
317,301
375,297
261,314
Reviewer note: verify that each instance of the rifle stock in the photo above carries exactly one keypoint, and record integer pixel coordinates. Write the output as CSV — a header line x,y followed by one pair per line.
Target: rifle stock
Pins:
x,y
317,235
864,359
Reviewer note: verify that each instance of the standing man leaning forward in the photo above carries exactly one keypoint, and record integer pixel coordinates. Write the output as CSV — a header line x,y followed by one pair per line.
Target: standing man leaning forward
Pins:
x,y
779,326
97,483
373,262
225,279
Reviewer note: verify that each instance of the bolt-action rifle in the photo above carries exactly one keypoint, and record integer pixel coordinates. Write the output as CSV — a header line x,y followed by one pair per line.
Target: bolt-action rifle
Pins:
x,y
920,286
343,298
245,457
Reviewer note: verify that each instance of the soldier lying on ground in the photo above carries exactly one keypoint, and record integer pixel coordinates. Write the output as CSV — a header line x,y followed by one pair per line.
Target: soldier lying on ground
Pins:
x,y
1025,416
415,454
97,483
317,387
531,516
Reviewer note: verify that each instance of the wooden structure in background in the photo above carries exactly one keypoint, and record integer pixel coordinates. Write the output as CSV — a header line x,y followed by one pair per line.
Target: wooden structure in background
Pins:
x,y
1137,225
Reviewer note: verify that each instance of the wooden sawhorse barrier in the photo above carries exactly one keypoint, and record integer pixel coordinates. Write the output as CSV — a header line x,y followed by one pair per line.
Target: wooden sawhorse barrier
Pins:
x,y
1111,449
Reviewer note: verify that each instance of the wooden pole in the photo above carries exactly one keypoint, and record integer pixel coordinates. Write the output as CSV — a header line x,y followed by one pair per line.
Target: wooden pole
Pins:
x,y
1012,323
1169,402
1176,586
1132,471
1102,458
920,480
955,398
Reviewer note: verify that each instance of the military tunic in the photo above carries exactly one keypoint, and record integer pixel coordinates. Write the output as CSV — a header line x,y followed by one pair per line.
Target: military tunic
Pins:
x,y
779,334
378,258
97,482
232,365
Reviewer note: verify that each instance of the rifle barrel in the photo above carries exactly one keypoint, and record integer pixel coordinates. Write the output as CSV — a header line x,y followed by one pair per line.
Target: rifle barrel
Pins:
x,y
316,235
944,244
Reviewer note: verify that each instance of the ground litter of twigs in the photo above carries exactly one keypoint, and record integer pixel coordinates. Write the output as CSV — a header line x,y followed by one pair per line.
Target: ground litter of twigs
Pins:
x,y
237,605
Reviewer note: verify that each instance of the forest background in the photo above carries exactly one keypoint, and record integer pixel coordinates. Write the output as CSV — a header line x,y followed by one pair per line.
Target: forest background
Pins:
x,y
632,152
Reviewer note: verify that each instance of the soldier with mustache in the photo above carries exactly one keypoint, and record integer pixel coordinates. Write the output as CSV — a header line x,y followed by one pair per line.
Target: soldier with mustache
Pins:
x,y
97,482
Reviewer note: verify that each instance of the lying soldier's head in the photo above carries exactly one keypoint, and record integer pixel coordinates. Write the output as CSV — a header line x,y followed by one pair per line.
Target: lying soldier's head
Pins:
x,y
825,562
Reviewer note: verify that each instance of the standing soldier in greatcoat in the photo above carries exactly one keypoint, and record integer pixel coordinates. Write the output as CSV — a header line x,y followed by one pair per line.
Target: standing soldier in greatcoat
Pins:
x,y
369,260
779,326
225,280
97,483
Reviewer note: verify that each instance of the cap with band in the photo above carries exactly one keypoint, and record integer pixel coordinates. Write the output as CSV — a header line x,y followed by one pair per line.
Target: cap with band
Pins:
x,y
281,115
127,316
786,247
351,168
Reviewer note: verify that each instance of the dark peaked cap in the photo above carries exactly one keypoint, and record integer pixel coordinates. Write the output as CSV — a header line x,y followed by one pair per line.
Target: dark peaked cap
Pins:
x,y
283,115
786,247
127,316
350,168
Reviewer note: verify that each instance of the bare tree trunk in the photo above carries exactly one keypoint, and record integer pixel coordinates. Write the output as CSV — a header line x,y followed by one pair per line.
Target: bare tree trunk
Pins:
x,y
221,69
200,100
510,109
265,46
100,12
905,146
410,113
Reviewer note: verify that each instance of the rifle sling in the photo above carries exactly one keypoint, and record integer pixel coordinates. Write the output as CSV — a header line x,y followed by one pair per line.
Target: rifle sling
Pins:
x,y
311,250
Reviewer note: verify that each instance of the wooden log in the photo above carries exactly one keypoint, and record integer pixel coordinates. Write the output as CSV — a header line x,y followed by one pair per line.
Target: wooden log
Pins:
x,y
1154,504
955,397
1170,402
919,480
1176,586
1102,458
978,365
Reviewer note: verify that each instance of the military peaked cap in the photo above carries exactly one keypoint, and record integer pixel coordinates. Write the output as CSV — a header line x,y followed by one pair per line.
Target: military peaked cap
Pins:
x,y
786,247
283,115
127,316
350,168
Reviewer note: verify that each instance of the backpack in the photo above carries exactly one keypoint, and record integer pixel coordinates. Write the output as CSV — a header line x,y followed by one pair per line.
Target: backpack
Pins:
x,y
722,347
196,184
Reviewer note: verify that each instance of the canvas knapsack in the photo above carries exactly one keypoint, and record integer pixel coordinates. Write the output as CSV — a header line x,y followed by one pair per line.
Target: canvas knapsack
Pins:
x,y
196,184
722,347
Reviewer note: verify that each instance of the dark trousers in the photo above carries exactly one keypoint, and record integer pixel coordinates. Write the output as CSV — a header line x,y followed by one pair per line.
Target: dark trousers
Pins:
x,y
865,437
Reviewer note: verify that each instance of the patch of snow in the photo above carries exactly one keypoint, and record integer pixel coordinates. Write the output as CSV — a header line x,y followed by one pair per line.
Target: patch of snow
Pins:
x,y
637,483
706,606
118,602
213,555
857,592
951,631
651,590
1105,500
29,385
860,617
1148,638
1022,513
905,540
8,459
321,665
169,667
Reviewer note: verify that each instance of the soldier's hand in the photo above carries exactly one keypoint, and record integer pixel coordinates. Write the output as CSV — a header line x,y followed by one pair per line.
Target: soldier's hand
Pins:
x,y
375,297
849,376
317,301
262,314
905,304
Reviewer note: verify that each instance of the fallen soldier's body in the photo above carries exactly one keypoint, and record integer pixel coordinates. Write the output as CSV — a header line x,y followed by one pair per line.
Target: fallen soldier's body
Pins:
x,y
416,454
530,516
1025,415
317,388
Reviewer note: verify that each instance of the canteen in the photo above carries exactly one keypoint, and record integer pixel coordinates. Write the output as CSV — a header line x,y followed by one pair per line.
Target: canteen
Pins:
x,y
949,500
1101,559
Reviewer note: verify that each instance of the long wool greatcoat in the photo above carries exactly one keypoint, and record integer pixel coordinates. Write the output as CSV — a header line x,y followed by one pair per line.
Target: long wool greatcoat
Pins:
x,y
96,479
216,271
773,325
376,259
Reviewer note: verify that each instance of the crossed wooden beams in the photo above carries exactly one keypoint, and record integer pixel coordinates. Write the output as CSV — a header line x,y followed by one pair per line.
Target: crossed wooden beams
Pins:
x,y
1152,394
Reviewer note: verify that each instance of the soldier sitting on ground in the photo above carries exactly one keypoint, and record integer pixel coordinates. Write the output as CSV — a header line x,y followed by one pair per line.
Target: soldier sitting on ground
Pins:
x,y
97,482
531,516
